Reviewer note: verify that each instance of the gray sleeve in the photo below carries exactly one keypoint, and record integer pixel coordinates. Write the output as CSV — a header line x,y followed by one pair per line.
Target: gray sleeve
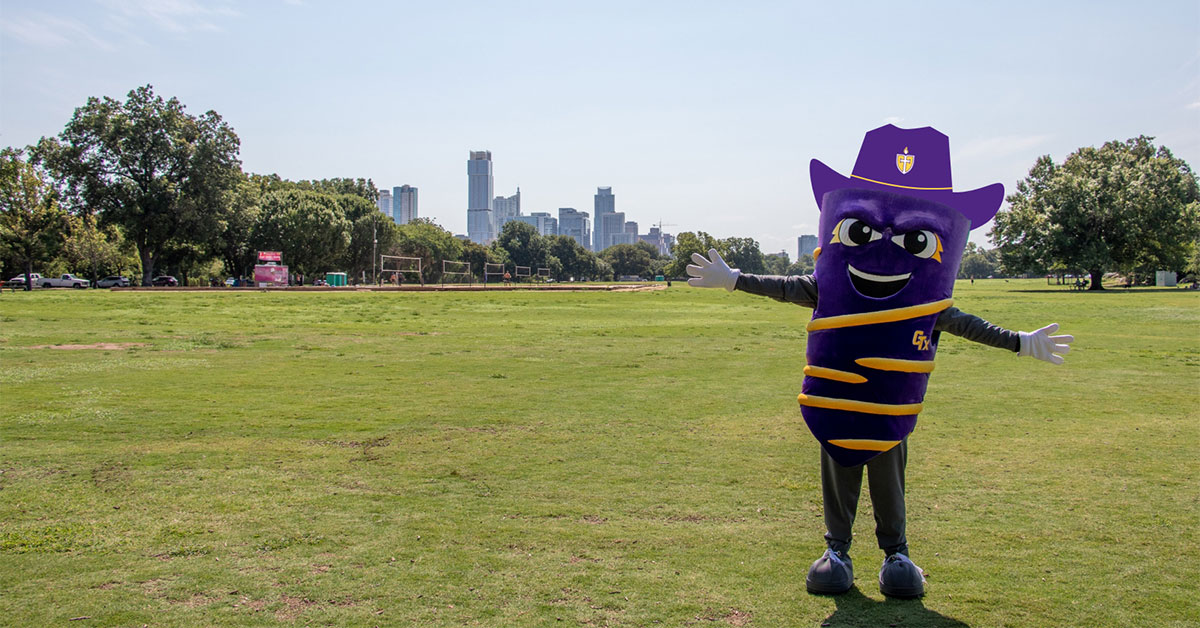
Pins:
x,y
975,329
798,289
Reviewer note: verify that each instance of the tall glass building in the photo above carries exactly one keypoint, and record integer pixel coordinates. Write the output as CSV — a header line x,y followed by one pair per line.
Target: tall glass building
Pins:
x,y
606,204
480,226
404,204
575,224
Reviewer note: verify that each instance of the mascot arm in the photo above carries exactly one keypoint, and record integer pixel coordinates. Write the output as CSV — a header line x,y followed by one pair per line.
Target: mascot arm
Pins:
x,y
957,322
798,289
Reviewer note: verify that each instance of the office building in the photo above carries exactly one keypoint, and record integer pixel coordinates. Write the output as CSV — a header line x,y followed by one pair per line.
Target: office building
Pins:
x,y
575,224
661,241
605,205
480,226
807,244
404,204
505,209
384,202
542,221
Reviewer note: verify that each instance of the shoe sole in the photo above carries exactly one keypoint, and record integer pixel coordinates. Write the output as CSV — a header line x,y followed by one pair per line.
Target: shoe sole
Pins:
x,y
903,593
821,590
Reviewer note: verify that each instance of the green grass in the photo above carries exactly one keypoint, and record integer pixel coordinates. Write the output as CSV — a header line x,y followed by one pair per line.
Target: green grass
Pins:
x,y
527,459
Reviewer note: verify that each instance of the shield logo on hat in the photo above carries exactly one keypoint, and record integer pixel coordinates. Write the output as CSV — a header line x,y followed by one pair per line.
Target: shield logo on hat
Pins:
x,y
904,162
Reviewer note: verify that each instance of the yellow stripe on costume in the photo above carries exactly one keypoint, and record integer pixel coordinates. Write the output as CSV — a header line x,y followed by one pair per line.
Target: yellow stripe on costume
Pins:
x,y
834,374
865,444
895,364
882,316
859,406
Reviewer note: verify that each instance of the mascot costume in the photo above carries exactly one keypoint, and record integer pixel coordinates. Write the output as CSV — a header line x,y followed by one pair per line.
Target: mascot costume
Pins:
x,y
891,238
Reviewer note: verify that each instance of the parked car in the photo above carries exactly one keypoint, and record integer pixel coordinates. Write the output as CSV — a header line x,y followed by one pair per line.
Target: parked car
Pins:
x,y
113,281
319,282
66,281
19,280
230,282
164,280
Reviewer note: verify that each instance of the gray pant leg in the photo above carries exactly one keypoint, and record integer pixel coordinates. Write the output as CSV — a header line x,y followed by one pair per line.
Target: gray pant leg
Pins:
x,y
841,486
885,480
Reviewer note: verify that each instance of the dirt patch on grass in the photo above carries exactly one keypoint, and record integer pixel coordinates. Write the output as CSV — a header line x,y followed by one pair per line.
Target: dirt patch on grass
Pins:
x,y
103,346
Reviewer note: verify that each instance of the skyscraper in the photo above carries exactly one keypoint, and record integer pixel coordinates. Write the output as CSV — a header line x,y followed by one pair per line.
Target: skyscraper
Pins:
x,y
385,202
575,224
404,204
542,221
606,204
480,226
806,245
505,209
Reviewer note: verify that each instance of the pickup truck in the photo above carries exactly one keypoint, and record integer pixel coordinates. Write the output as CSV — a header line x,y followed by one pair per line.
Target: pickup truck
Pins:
x,y
19,280
66,281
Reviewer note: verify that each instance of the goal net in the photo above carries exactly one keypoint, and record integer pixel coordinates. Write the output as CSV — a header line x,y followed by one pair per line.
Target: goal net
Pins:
x,y
492,270
544,273
393,268
452,268
522,271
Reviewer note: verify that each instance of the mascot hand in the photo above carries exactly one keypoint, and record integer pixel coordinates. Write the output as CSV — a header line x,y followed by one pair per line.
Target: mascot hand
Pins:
x,y
1041,345
712,272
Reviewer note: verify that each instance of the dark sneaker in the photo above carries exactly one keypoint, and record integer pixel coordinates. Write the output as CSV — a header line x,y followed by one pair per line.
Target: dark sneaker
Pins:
x,y
899,577
831,574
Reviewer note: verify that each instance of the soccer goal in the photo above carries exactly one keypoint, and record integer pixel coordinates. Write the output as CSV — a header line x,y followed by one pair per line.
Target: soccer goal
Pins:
x,y
394,267
492,270
543,273
522,271
457,269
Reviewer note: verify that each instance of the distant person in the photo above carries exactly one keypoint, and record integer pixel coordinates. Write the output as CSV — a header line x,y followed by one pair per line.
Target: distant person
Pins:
x,y
507,278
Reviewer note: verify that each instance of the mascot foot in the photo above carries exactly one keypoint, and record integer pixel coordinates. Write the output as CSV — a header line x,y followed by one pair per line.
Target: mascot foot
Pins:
x,y
831,574
899,577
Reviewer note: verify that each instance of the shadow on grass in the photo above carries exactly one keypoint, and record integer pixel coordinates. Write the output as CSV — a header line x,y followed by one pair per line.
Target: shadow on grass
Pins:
x,y
855,610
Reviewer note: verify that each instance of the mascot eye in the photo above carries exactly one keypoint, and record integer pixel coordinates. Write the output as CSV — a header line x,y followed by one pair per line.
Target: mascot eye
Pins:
x,y
853,232
923,244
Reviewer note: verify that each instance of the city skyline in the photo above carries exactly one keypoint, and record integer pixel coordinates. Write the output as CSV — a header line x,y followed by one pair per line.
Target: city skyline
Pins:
x,y
737,97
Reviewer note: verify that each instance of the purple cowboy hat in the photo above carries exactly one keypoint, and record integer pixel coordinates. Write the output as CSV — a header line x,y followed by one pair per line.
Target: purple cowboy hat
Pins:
x,y
913,162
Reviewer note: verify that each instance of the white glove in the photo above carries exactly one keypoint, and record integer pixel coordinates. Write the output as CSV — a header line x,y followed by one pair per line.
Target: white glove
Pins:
x,y
712,272
1041,345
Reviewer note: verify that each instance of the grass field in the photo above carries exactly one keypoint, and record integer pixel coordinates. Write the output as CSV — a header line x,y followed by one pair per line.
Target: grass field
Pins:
x,y
595,459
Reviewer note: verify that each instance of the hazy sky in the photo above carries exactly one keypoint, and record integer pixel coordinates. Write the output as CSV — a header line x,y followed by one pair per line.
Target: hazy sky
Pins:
x,y
703,115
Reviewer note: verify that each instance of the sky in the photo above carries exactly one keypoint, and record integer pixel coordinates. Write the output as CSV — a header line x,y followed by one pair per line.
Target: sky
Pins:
x,y
700,115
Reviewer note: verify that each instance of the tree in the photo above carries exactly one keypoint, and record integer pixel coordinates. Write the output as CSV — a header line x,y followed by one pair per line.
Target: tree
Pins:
x,y
744,254
687,243
233,243
32,225
627,259
524,245
977,262
427,240
92,249
576,262
776,263
1124,205
308,228
371,235
803,266
148,166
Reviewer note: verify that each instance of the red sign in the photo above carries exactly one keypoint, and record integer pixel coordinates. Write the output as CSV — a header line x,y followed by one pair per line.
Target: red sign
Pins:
x,y
270,256
265,275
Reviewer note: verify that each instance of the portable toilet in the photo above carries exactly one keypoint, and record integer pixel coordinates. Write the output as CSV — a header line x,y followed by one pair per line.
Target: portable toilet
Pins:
x,y
335,279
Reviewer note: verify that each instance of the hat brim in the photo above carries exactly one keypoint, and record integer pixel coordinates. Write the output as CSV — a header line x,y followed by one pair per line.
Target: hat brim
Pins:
x,y
977,205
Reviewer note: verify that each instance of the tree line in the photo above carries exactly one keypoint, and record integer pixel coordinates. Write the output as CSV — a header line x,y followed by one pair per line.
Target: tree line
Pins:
x,y
142,187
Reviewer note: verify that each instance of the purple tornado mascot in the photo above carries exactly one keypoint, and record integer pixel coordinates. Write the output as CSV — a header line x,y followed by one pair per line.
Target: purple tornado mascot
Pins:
x,y
891,238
